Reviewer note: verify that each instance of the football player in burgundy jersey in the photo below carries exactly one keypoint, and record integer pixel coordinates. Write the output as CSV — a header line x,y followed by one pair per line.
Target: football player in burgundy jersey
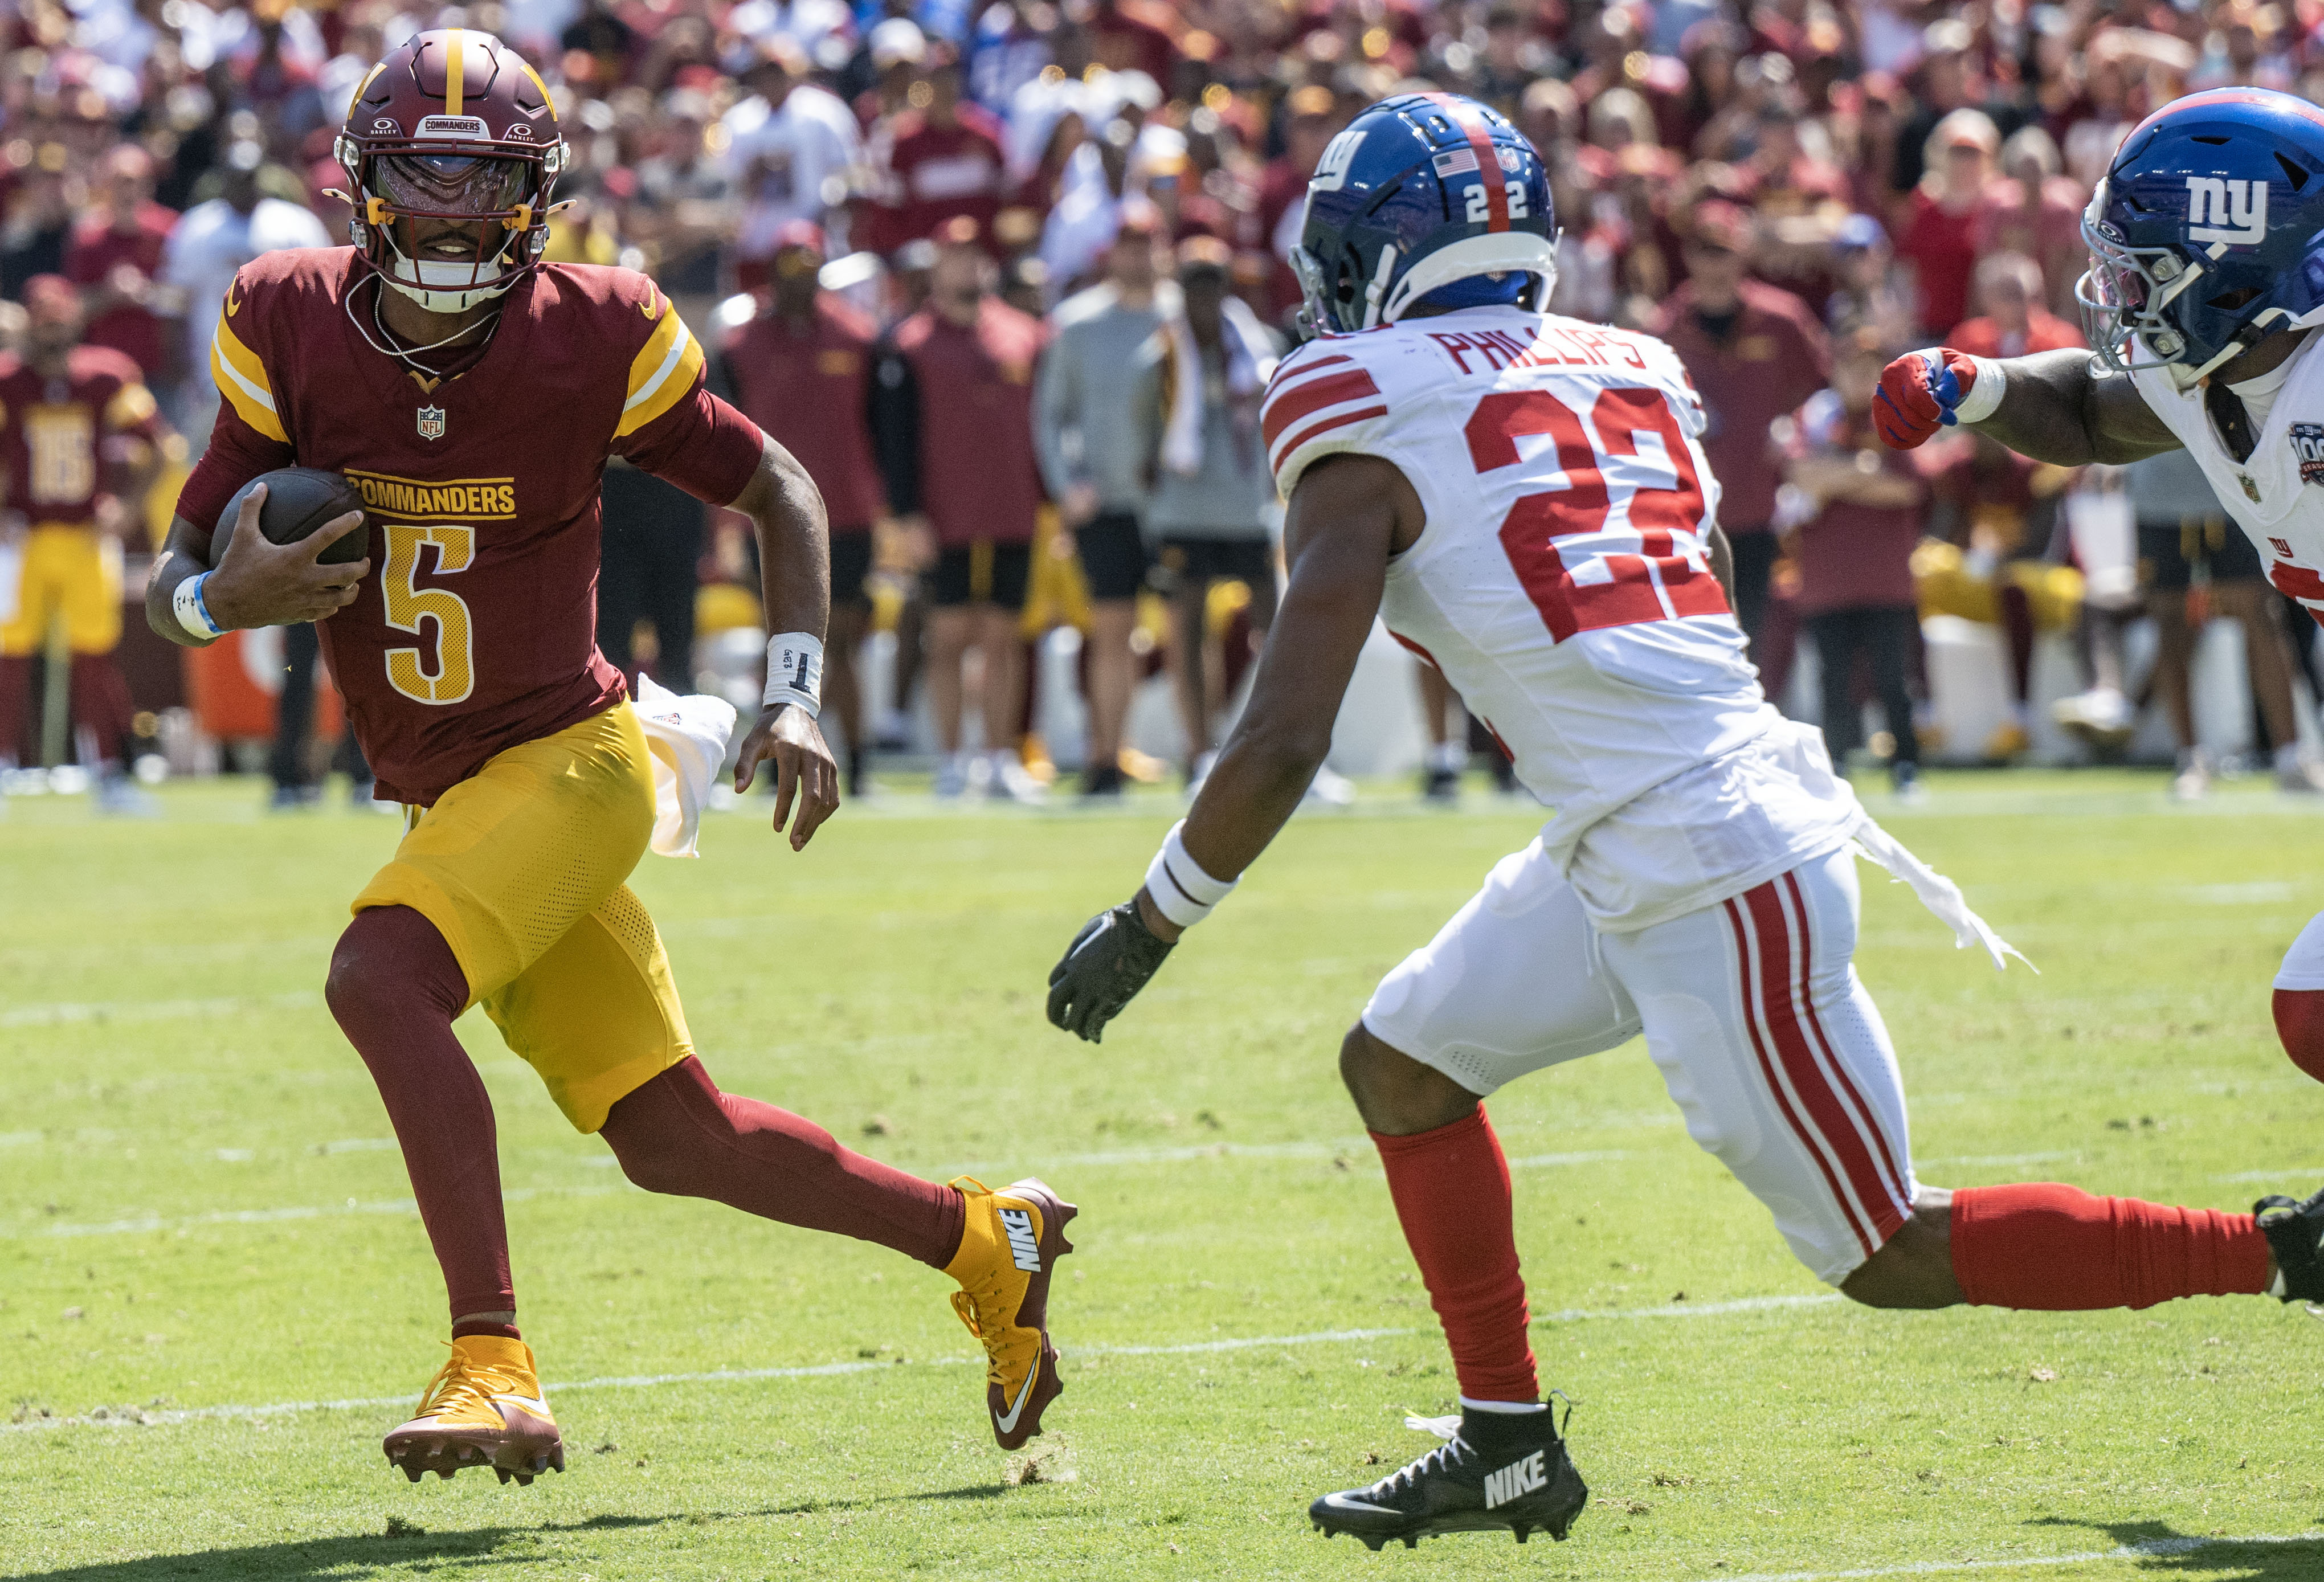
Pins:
x,y
472,394
79,437
1524,499
801,369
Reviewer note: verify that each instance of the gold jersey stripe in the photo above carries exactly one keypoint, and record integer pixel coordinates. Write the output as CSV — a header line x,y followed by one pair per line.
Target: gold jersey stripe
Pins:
x,y
663,371
242,379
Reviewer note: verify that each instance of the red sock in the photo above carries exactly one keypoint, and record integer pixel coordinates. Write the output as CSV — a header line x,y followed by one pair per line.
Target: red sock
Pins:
x,y
1451,1191
2053,1248
15,706
395,986
2299,1023
679,1133
101,708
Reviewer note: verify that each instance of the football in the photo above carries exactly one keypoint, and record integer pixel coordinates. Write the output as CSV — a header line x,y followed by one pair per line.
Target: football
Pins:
x,y
298,502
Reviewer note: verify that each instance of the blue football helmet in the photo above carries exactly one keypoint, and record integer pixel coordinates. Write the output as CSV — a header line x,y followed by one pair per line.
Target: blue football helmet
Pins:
x,y
2204,236
1421,191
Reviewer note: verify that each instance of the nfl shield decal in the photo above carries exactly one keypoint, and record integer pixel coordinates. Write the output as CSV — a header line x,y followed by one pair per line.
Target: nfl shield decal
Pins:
x,y
431,423
2308,445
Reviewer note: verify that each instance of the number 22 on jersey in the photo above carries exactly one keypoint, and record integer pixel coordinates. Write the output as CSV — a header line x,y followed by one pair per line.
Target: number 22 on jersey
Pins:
x,y
1583,574
410,605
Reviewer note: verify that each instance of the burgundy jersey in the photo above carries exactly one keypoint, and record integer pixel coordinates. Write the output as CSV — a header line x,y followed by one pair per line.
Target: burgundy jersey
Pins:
x,y
810,391
980,481
54,433
475,630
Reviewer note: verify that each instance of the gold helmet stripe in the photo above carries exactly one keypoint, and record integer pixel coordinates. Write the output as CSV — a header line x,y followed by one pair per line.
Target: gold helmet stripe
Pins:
x,y
456,63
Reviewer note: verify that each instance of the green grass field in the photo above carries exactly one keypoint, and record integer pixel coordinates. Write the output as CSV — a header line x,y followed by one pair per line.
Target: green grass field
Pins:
x,y
215,1295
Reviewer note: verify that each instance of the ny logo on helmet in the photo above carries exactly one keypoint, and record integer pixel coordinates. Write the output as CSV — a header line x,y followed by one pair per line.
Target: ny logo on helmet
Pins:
x,y
2222,211
1332,170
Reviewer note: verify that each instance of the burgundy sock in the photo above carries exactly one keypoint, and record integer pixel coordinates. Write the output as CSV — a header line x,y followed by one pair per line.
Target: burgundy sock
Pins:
x,y
2300,1023
395,987
2052,1248
679,1133
15,707
1451,1191
101,706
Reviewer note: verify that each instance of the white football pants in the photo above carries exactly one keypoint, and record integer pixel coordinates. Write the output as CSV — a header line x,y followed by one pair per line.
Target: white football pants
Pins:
x,y
1770,1047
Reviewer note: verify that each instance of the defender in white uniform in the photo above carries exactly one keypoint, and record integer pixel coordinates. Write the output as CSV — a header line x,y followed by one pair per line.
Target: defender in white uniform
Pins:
x,y
1522,499
2205,292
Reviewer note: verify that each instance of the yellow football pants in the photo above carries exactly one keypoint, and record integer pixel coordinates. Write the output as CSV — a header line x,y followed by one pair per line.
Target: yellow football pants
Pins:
x,y
73,571
520,869
1946,586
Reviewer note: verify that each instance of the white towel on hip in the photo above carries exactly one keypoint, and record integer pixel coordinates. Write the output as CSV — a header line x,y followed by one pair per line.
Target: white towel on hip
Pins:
x,y
688,738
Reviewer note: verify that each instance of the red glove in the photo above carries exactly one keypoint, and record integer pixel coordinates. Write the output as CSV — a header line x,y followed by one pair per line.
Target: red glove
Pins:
x,y
1918,394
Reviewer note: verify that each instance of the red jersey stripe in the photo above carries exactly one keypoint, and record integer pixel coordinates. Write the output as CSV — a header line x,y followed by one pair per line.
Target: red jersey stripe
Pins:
x,y
1781,943
1287,405
1275,458
1748,947
1870,1122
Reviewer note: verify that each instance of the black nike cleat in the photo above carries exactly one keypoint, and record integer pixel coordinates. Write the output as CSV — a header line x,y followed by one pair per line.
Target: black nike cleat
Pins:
x,y
2295,1235
1496,1472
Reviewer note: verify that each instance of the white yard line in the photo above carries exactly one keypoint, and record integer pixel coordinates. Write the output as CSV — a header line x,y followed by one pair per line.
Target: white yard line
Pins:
x,y
136,1418
141,1223
2147,1549
60,1013
275,1216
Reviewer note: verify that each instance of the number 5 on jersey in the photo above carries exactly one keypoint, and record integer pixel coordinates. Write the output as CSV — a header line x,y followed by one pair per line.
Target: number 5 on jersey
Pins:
x,y
1572,562
410,605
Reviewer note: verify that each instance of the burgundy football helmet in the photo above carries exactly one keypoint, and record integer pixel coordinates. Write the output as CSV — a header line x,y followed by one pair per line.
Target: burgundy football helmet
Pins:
x,y
453,125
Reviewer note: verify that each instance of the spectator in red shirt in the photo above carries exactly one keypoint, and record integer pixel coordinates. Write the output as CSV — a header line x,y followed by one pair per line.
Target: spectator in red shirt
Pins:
x,y
939,161
1754,354
2014,322
1135,35
1939,238
1314,117
801,370
2034,210
1855,555
954,429
116,252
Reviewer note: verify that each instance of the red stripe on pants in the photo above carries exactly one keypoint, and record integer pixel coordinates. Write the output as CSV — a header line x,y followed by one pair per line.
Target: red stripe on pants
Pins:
x,y
1777,937
1869,1122
1743,958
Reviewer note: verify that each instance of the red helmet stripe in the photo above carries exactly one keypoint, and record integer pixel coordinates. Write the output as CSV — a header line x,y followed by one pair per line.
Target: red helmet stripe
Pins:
x,y
1488,168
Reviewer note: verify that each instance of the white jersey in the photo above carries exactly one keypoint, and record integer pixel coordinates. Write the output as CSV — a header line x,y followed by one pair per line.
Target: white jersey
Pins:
x,y
1563,584
2269,492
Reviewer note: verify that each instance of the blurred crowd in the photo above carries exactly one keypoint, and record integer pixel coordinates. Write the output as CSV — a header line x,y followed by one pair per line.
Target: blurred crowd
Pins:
x,y
1789,190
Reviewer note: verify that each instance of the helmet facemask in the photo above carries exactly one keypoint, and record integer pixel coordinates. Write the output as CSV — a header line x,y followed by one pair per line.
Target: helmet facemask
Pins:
x,y
2124,297
408,197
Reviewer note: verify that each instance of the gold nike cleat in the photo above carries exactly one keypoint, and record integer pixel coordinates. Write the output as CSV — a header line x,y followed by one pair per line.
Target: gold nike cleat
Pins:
x,y
485,1408
1007,1249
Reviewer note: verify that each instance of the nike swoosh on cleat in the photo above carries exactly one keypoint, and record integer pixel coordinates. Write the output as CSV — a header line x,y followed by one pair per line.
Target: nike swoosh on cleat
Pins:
x,y
1342,1502
1009,1424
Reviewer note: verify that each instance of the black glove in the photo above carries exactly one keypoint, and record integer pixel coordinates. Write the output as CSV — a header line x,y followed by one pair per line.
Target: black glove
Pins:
x,y
1109,962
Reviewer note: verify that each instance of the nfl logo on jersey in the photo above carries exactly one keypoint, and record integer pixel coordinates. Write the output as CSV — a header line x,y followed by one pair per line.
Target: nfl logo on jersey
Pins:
x,y
2308,445
431,422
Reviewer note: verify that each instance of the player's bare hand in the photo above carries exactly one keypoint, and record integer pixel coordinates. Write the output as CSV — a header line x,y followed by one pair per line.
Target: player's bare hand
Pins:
x,y
261,583
787,737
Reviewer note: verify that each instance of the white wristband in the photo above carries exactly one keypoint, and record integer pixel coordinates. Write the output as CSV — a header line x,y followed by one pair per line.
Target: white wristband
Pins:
x,y
1181,890
186,604
1983,392
795,671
